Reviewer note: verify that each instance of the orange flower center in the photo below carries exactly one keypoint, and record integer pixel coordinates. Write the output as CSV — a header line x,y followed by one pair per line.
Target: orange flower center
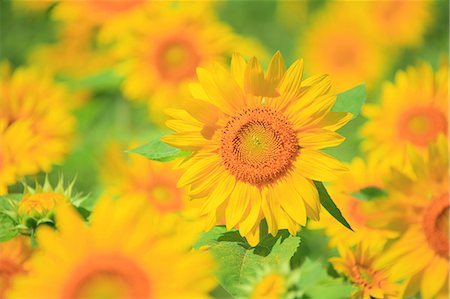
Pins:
x,y
435,225
362,275
259,146
107,276
39,203
165,196
176,57
421,125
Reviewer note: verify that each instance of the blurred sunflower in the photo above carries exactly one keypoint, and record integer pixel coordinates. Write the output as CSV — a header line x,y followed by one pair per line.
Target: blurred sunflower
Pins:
x,y
126,252
13,255
35,123
422,253
162,52
414,108
366,217
363,266
255,142
398,22
138,176
343,47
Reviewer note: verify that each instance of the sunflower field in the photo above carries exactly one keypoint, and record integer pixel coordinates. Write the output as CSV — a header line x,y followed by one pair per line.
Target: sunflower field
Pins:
x,y
224,149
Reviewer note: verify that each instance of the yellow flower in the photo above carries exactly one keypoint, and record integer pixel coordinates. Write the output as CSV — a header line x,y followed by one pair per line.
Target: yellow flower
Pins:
x,y
138,176
367,218
35,123
397,22
422,253
342,47
13,255
363,266
269,283
255,142
413,110
126,252
162,52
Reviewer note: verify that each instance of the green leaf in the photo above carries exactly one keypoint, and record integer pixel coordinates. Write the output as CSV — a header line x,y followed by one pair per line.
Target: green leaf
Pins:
x,y
8,229
104,80
369,193
316,283
158,150
329,205
237,262
351,100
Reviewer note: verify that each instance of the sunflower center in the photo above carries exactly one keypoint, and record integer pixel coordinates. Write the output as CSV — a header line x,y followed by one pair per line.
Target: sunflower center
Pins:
x,y
258,146
421,125
435,225
176,58
39,203
271,286
107,276
363,275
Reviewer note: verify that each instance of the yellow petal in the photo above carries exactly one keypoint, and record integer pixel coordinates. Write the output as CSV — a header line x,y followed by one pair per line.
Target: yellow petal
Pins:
x,y
335,120
290,85
238,66
190,141
254,212
205,164
275,72
219,194
237,205
434,277
291,202
319,138
318,166
254,82
308,192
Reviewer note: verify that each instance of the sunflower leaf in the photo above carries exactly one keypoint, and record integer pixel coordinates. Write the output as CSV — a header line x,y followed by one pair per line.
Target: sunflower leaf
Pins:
x,y
159,151
329,205
8,229
234,273
369,193
351,100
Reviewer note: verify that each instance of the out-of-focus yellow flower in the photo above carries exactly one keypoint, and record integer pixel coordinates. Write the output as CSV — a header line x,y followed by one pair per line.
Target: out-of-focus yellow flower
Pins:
x,y
337,43
363,266
413,110
163,50
422,253
13,255
397,22
365,217
255,139
126,252
138,176
35,124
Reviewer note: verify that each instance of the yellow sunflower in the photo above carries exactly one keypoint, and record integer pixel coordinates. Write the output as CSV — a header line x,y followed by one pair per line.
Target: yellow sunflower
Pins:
x,y
162,51
35,123
398,22
255,140
366,217
126,252
138,176
422,252
343,47
413,109
13,255
363,266
270,282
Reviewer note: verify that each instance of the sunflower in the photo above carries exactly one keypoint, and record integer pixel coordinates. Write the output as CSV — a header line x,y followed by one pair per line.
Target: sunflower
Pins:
x,y
255,141
414,108
363,266
333,48
422,252
366,217
161,52
137,176
13,255
38,204
35,123
126,252
398,22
